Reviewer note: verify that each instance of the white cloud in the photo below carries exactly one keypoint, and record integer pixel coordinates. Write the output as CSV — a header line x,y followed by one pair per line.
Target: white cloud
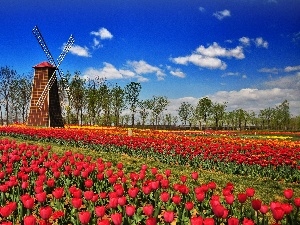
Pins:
x,y
80,51
215,50
269,70
230,74
255,99
201,61
103,33
201,9
286,82
142,67
245,41
261,43
108,72
291,68
135,71
178,73
208,57
220,15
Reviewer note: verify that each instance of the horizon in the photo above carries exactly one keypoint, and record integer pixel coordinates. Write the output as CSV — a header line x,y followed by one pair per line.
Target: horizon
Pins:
x,y
242,52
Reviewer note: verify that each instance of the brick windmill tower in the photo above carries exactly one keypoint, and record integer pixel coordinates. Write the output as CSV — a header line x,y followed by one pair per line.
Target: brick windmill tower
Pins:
x,y
45,107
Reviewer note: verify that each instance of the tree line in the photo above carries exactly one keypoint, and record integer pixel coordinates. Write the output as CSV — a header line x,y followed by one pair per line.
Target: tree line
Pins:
x,y
98,102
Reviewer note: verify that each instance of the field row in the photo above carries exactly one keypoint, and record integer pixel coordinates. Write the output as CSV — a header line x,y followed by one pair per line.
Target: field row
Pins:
x,y
41,187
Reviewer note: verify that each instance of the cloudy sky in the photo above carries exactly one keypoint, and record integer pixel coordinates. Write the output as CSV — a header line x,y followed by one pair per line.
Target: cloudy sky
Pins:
x,y
244,52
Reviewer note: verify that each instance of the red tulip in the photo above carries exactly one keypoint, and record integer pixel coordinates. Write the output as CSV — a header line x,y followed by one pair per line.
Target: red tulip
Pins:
x,y
51,183
195,175
297,202
256,204
168,216
264,209
5,211
154,170
29,220
57,215
100,211
113,203
76,202
164,196
84,217
247,221
120,165
88,183
6,223
41,197
133,192
130,210
288,193
287,208
45,212
208,221
212,185
88,195
242,197
218,210
278,213
189,206
151,221
146,190
27,201
148,210
103,222
122,201
183,179
58,192
116,218
250,192
233,221
176,199
229,199
200,196
196,220
168,172
24,185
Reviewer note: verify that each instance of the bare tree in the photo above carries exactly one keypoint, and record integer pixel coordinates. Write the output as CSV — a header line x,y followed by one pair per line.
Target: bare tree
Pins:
x,y
7,76
132,92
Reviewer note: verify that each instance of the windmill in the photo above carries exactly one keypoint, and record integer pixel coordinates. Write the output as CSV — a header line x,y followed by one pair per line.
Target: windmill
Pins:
x,y
45,106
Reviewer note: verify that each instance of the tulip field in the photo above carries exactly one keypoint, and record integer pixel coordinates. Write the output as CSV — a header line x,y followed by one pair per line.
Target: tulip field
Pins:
x,y
41,186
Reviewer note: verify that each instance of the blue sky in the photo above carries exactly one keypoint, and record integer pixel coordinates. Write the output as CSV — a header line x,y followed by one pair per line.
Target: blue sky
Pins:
x,y
244,52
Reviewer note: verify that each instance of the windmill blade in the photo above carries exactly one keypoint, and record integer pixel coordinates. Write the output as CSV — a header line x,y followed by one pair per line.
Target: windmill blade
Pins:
x,y
42,43
46,90
53,78
66,49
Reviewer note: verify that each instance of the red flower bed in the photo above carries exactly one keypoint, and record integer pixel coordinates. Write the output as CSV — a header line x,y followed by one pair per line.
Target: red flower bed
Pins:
x,y
38,187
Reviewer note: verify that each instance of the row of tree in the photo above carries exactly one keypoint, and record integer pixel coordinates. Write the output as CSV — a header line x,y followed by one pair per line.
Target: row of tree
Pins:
x,y
97,102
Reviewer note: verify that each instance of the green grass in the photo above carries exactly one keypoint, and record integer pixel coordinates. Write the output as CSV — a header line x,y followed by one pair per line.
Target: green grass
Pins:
x,y
266,189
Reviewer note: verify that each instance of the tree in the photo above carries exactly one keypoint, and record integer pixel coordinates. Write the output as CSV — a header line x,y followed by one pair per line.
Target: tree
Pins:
x,y
265,116
157,105
185,112
20,94
104,103
218,112
118,102
7,76
132,92
203,110
92,99
144,106
282,115
77,92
